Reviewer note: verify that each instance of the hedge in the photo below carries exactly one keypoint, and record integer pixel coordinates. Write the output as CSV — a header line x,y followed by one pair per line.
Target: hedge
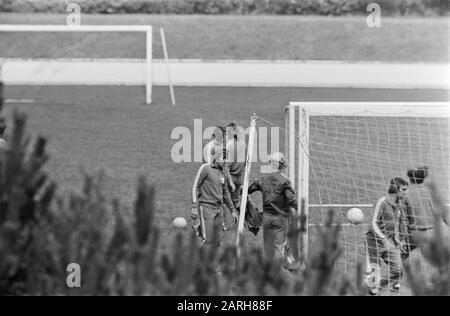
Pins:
x,y
280,7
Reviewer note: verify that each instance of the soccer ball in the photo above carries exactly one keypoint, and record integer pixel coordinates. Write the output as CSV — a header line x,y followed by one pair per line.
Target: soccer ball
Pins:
x,y
355,216
179,222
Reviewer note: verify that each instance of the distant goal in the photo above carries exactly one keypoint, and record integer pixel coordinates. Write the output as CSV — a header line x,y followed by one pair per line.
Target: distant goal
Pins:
x,y
343,155
43,69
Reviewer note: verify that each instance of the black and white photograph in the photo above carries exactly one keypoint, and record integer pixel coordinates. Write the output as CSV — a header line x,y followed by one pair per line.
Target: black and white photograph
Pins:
x,y
228,155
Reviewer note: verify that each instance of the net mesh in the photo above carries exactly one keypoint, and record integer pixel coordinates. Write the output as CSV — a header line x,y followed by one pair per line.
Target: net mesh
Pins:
x,y
352,160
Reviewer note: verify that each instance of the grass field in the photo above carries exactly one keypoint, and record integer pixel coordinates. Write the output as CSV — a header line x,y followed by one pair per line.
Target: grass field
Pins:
x,y
241,37
109,128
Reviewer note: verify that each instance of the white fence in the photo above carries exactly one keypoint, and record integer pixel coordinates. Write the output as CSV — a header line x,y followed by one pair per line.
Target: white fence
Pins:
x,y
227,73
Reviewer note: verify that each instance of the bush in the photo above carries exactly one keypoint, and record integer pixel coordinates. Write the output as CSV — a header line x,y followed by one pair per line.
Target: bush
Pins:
x,y
285,7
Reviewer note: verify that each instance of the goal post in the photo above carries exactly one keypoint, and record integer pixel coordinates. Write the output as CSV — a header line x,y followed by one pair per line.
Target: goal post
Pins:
x,y
244,196
343,155
146,29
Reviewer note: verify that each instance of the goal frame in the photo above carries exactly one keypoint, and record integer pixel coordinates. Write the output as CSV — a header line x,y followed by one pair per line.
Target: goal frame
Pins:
x,y
302,111
147,29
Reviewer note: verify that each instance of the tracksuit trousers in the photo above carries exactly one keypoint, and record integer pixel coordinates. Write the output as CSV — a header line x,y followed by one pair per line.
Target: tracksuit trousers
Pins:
x,y
211,218
391,256
275,233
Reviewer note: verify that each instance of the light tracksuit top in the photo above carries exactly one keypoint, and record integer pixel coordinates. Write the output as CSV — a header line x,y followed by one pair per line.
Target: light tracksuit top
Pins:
x,y
388,220
211,187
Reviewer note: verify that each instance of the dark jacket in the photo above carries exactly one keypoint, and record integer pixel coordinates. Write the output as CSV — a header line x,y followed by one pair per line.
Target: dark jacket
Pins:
x,y
236,156
419,207
278,194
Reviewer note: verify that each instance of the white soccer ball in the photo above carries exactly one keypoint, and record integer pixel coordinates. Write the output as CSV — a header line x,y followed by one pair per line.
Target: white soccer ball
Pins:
x,y
179,222
355,216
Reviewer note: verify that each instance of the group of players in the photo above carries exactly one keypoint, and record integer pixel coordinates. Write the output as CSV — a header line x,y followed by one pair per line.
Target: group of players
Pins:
x,y
402,220
218,187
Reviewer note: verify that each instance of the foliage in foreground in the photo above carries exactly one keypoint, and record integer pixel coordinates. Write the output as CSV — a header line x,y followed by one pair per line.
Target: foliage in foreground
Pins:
x,y
41,233
282,7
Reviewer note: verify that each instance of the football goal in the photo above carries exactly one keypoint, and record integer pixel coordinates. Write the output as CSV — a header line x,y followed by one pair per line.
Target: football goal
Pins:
x,y
343,155
28,70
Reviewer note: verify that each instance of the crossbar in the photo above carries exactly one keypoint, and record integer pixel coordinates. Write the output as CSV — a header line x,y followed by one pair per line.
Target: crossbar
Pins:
x,y
395,109
74,28
147,29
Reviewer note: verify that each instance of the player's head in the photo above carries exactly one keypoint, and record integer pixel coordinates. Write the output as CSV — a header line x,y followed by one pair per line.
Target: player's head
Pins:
x,y
418,175
398,186
218,134
219,154
3,126
277,161
231,130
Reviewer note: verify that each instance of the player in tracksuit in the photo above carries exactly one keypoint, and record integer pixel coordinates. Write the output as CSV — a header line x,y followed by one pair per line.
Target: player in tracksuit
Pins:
x,y
420,211
278,199
384,237
218,143
209,194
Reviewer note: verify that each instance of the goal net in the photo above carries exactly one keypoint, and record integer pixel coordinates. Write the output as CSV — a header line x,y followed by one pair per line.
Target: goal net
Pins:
x,y
343,155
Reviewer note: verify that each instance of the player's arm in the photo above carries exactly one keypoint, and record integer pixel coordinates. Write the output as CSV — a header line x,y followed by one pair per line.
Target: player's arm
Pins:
x,y
199,179
397,231
408,211
376,216
289,194
229,202
226,171
402,225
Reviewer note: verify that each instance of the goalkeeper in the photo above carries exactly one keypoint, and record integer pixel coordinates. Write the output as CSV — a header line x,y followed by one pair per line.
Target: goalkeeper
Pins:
x,y
278,199
383,237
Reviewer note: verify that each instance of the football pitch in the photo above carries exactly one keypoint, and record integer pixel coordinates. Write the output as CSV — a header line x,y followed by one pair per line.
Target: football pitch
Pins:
x,y
111,129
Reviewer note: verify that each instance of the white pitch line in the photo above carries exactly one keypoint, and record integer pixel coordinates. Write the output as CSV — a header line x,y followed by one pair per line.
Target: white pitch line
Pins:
x,y
19,101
